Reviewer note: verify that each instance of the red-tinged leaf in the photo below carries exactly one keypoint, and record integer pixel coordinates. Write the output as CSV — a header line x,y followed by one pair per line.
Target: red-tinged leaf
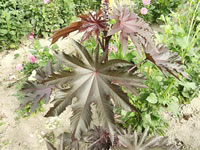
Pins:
x,y
90,24
142,37
131,25
166,61
124,41
100,12
86,36
137,44
134,141
34,93
45,72
50,146
66,31
99,139
91,83
65,143
84,17
115,28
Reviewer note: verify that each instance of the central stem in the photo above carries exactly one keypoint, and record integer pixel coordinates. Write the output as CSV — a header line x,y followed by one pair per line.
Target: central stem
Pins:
x,y
107,39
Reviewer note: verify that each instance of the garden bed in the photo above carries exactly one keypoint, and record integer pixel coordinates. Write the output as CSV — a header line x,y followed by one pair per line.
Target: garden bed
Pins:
x,y
117,72
30,133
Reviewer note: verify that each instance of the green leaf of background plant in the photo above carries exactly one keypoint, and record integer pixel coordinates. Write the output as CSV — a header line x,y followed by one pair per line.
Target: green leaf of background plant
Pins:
x,y
182,42
152,98
3,31
174,107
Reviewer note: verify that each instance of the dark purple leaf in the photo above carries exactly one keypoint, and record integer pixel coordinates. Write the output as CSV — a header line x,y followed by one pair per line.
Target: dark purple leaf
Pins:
x,y
135,141
91,24
34,93
130,24
166,61
90,83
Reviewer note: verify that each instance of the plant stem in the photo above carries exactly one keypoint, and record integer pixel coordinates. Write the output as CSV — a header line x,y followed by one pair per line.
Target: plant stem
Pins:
x,y
100,43
136,65
191,25
95,143
17,81
107,39
168,89
97,54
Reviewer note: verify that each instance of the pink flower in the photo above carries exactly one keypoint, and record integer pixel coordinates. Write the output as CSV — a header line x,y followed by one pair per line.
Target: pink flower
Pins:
x,y
19,67
32,59
146,2
114,49
46,1
144,11
31,36
11,77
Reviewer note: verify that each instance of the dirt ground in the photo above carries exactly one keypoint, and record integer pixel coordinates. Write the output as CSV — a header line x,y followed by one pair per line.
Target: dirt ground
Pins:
x,y
29,133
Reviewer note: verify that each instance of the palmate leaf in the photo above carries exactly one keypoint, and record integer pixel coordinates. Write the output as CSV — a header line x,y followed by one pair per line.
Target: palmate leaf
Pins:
x,y
91,82
99,139
133,141
126,140
166,61
34,92
131,25
90,24
65,143
66,31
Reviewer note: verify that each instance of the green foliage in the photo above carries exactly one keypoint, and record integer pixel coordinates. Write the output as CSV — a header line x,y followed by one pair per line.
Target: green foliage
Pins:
x,y
20,17
25,112
162,94
2,123
29,67
12,24
156,9
181,34
85,5
46,18
43,53
42,56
